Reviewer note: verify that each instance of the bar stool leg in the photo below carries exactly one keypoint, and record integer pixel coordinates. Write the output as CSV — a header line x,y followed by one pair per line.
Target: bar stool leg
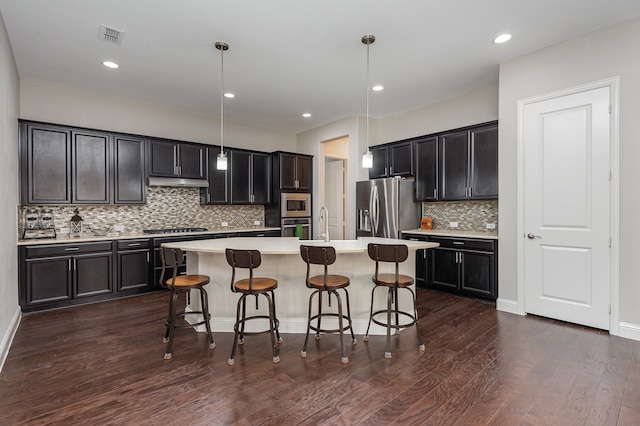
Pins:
x,y
319,319
387,352
345,359
366,335
167,322
274,347
275,317
421,346
204,302
303,353
236,329
172,326
353,337
244,315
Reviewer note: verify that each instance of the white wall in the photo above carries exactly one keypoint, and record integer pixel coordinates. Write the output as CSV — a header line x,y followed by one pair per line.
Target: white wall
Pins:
x,y
472,108
64,105
603,54
9,107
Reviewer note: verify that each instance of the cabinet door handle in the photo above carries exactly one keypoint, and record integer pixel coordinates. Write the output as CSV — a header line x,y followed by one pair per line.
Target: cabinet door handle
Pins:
x,y
461,257
69,264
469,192
147,257
75,264
424,254
458,243
208,197
72,249
390,170
385,172
435,192
134,244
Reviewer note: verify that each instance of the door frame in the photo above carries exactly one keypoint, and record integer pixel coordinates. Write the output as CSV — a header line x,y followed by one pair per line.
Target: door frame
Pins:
x,y
614,195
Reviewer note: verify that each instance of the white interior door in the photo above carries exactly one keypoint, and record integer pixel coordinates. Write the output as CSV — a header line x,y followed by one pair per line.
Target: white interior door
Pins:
x,y
334,197
566,142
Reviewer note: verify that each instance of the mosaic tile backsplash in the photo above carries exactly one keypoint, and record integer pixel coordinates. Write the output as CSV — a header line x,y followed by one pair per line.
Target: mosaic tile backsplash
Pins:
x,y
470,215
167,207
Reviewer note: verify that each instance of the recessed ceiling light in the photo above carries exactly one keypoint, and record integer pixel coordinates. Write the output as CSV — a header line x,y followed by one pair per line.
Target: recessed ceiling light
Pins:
x,y
378,87
306,115
229,95
502,38
110,64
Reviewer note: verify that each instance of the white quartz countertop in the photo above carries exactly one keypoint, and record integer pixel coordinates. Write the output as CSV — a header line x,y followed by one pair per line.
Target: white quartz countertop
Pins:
x,y
87,237
454,233
288,245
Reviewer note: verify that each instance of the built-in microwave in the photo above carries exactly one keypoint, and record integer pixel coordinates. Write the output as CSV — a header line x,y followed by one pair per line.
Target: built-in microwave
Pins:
x,y
295,205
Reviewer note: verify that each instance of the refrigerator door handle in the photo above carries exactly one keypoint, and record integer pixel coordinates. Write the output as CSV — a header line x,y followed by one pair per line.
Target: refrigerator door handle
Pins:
x,y
372,210
377,210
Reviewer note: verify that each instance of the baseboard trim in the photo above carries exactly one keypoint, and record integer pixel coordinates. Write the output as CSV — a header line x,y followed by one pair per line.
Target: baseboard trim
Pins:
x,y
506,305
629,331
7,339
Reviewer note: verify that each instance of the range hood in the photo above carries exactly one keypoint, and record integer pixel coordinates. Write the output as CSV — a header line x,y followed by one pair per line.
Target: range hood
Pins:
x,y
175,181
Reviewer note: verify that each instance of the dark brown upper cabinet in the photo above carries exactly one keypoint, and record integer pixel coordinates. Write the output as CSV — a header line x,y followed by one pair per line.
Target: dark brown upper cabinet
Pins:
x,y
129,177
91,166
395,159
426,169
218,191
68,165
469,164
177,159
295,172
250,177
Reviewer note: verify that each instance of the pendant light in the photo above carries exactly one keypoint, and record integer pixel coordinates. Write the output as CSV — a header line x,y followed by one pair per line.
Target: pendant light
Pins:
x,y
367,157
221,162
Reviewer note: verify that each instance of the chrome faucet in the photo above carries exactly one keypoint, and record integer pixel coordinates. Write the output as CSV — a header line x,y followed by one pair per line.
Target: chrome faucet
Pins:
x,y
324,215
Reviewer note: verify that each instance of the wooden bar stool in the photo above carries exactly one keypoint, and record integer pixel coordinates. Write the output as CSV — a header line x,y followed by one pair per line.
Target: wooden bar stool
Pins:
x,y
394,253
178,284
252,286
329,283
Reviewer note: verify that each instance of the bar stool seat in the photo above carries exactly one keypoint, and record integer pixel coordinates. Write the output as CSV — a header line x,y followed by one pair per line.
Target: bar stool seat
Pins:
x,y
329,283
392,253
252,286
179,284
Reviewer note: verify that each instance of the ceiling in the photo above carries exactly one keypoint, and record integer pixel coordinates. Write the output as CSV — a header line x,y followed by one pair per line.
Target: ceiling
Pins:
x,y
287,57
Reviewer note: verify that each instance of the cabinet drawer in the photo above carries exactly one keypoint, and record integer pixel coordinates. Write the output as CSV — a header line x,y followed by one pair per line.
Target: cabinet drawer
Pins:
x,y
134,244
413,237
66,249
464,243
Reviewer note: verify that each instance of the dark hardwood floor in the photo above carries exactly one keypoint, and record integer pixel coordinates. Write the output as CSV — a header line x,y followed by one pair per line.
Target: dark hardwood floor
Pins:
x,y
103,364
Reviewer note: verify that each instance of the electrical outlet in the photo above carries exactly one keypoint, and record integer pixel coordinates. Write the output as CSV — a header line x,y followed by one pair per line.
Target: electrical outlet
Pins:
x,y
223,224
256,222
453,224
118,228
491,225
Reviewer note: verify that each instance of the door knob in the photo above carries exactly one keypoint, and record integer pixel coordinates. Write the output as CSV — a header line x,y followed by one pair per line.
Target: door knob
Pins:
x,y
532,236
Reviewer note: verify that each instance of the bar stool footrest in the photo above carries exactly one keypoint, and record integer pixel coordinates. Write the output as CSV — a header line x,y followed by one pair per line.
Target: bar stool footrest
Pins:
x,y
405,315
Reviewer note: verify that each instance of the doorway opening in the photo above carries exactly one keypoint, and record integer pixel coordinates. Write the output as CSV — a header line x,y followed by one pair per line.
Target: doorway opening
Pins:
x,y
335,186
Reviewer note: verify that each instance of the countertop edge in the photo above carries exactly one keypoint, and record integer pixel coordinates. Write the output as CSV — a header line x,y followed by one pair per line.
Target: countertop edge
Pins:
x,y
92,238
452,233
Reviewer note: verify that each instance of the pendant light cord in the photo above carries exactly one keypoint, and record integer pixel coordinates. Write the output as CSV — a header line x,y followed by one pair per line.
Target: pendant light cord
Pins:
x,y
222,101
367,95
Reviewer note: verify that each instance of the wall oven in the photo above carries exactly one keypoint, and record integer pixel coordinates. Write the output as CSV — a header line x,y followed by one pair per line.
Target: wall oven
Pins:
x,y
300,228
295,205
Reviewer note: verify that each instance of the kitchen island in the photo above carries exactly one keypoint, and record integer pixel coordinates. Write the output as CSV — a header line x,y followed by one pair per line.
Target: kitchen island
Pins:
x,y
281,260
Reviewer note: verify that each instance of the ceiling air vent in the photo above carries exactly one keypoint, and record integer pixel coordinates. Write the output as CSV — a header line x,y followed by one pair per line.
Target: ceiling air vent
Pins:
x,y
110,34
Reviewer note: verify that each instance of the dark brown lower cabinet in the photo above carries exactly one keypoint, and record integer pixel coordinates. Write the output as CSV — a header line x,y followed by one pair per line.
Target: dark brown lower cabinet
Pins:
x,y
134,265
460,265
52,275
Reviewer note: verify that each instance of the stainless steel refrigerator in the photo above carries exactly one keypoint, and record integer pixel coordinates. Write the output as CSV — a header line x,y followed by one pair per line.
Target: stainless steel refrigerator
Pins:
x,y
384,207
